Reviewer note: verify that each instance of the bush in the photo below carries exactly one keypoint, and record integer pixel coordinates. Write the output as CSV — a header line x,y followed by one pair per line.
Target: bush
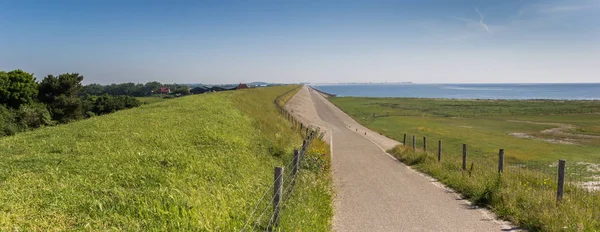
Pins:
x,y
7,122
105,104
32,116
29,116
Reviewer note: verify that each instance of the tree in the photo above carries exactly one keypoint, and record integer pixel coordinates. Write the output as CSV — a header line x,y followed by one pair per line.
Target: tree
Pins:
x,y
93,89
16,88
152,87
182,90
61,95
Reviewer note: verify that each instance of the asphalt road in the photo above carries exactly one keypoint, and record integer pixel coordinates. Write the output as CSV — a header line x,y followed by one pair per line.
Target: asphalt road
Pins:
x,y
375,192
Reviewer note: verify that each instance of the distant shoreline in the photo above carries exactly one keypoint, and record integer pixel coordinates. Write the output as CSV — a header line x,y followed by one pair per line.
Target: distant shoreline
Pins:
x,y
547,91
322,92
413,83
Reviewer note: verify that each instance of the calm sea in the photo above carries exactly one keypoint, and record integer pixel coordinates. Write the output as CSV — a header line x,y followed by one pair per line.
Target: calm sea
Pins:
x,y
468,91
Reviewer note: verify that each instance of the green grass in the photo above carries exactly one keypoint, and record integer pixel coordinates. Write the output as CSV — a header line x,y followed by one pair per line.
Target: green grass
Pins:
x,y
193,163
150,100
526,192
467,108
484,134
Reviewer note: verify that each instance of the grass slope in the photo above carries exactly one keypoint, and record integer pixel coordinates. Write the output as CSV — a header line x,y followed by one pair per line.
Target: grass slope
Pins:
x,y
193,163
152,99
526,192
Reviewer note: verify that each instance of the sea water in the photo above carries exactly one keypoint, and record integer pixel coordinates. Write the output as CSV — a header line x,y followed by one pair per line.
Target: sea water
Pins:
x,y
587,91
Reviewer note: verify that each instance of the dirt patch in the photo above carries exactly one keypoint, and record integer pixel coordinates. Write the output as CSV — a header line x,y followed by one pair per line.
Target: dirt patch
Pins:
x,y
561,129
590,167
591,185
527,136
522,135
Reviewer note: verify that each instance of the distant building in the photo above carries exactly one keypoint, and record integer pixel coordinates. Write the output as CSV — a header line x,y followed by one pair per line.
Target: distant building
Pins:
x,y
241,86
218,89
198,90
164,90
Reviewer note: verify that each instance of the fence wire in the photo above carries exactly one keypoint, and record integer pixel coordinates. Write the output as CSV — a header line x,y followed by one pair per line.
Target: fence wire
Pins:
x,y
520,178
287,176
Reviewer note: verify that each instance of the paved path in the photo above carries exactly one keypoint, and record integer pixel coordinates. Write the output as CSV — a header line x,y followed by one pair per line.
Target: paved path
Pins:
x,y
374,192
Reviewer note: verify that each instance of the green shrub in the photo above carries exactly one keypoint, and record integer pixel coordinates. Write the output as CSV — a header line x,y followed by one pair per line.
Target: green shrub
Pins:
x,y
32,116
105,104
7,122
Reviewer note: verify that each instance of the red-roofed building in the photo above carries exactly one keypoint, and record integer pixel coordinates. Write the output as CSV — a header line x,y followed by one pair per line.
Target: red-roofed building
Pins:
x,y
164,90
241,86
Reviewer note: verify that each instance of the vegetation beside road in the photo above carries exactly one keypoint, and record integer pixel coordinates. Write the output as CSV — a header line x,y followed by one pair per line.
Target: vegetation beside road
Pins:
x,y
310,206
535,135
26,104
194,163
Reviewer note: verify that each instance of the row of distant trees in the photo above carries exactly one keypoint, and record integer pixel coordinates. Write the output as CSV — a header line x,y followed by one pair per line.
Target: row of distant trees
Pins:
x,y
26,104
133,89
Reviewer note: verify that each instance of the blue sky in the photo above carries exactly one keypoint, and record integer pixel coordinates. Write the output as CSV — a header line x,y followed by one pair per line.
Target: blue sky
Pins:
x,y
295,41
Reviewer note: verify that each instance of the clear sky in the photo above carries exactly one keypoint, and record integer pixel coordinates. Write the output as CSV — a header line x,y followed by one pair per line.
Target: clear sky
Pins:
x,y
213,42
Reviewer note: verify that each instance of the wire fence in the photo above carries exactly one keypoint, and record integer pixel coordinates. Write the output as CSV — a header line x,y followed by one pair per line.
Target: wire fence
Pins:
x,y
540,181
265,213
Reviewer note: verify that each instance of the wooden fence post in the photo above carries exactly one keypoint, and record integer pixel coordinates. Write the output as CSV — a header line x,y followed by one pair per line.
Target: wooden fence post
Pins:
x,y
414,145
439,151
561,180
404,141
303,146
296,162
501,161
424,144
464,161
278,190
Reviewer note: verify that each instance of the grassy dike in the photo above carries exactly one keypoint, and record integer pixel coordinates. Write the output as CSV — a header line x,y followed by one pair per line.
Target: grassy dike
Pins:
x,y
198,163
526,193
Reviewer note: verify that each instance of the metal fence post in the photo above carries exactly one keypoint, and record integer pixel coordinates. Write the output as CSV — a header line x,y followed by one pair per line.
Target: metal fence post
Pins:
x,y
414,145
404,141
424,144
